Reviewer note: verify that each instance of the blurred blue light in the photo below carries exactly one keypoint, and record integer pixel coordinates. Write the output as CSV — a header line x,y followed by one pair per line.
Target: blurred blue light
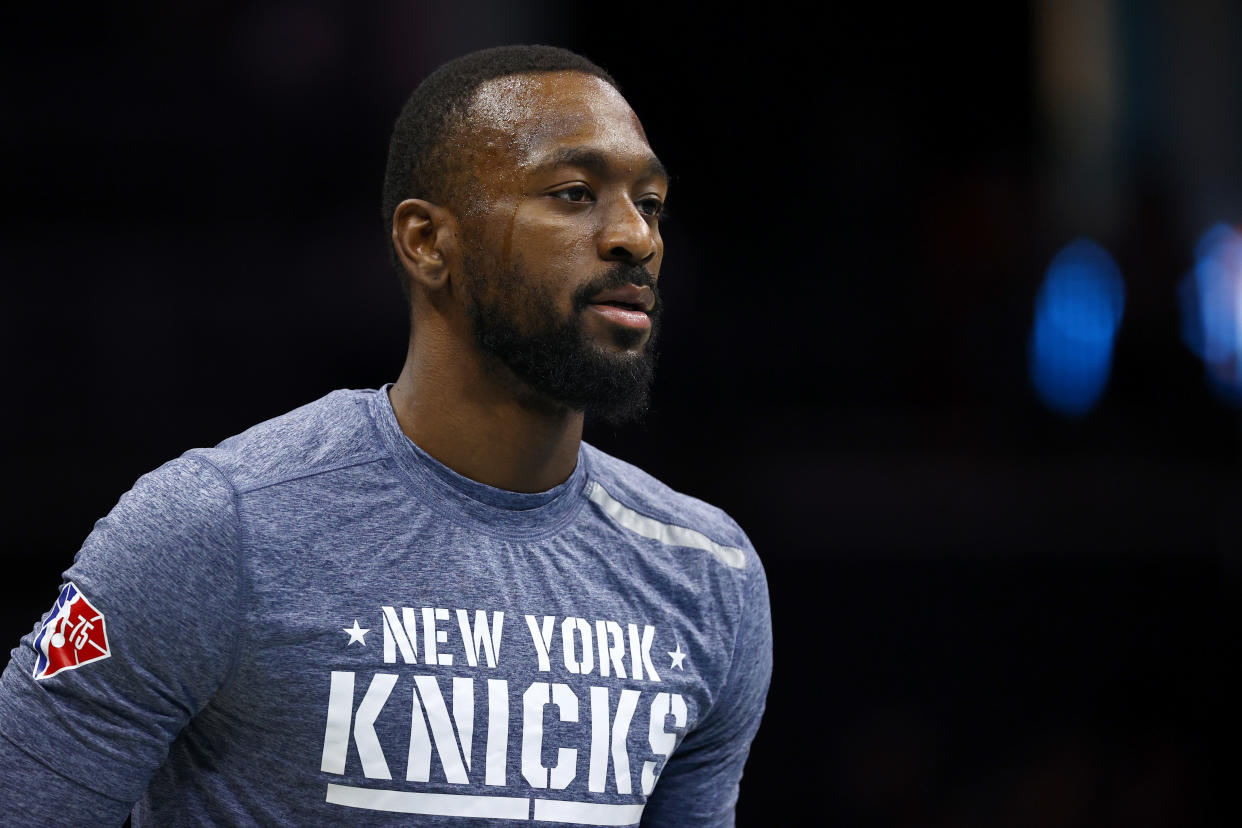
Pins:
x,y
1077,313
1211,305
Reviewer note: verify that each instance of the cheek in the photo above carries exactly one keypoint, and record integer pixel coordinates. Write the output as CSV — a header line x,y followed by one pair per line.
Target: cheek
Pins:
x,y
551,234
552,251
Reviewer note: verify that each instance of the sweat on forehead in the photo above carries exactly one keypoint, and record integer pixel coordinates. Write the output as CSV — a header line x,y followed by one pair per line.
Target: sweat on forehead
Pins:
x,y
514,113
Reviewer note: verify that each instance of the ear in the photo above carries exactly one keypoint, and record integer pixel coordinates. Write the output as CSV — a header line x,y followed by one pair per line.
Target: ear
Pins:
x,y
424,235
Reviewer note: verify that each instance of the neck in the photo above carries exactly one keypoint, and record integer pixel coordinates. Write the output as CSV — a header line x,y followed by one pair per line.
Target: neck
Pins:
x,y
461,413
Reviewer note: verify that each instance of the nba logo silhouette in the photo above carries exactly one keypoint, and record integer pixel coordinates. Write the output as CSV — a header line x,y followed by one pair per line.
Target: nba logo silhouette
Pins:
x,y
72,635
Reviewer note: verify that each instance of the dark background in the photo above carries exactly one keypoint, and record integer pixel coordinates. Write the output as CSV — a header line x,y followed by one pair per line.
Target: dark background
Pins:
x,y
986,613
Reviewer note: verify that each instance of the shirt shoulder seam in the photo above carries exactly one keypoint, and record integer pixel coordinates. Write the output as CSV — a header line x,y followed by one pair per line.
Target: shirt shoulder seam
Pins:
x,y
243,583
305,474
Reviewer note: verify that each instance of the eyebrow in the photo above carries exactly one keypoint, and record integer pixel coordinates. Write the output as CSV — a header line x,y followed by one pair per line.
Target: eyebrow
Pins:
x,y
597,162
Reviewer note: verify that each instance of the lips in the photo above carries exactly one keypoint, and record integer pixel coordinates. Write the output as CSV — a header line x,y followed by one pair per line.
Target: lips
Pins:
x,y
627,297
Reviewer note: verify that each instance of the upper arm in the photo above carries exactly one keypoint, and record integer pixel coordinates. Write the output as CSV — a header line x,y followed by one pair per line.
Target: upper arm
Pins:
x,y
699,783
40,795
160,576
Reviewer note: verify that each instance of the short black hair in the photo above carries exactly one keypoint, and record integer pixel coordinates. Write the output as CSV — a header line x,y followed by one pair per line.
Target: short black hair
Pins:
x,y
420,156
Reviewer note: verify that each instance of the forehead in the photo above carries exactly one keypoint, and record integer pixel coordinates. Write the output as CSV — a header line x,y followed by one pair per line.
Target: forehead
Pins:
x,y
528,117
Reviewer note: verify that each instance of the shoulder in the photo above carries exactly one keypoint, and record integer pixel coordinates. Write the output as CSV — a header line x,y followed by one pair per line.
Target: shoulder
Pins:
x,y
331,433
191,503
644,504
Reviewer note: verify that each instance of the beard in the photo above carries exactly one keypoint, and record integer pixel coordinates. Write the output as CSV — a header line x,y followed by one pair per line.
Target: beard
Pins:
x,y
551,355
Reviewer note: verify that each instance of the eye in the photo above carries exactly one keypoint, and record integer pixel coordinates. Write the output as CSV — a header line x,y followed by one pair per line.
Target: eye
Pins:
x,y
650,206
578,194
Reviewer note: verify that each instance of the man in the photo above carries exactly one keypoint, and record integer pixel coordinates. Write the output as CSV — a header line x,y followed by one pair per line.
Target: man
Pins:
x,y
431,602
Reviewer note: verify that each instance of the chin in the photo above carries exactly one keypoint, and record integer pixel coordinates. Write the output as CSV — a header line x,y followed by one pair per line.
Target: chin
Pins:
x,y
624,342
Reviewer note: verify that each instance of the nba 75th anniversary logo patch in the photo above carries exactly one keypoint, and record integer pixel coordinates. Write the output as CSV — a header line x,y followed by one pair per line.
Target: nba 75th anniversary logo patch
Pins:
x,y
72,635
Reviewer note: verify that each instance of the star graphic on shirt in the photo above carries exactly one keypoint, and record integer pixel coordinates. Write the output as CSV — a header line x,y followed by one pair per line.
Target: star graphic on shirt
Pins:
x,y
677,656
356,634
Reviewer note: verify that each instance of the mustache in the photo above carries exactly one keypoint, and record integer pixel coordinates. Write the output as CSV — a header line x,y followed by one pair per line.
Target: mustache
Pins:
x,y
617,276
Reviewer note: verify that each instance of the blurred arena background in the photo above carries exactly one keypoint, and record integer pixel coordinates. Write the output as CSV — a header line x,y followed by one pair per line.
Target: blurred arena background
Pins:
x,y
954,330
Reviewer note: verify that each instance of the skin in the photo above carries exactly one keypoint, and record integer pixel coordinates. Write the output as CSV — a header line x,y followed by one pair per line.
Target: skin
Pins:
x,y
563,187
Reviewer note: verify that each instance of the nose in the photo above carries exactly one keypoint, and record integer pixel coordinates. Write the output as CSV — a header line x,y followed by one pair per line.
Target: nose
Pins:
x,y
626,235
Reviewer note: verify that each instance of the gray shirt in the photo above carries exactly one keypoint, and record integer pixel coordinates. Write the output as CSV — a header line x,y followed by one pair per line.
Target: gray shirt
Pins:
x,y
315,621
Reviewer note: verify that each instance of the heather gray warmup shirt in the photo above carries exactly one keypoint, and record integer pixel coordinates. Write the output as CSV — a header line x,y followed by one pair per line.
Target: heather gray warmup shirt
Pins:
x,y
315,622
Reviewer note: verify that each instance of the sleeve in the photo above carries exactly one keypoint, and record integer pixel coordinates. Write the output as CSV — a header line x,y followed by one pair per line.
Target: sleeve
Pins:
x,y
699,784
142,635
